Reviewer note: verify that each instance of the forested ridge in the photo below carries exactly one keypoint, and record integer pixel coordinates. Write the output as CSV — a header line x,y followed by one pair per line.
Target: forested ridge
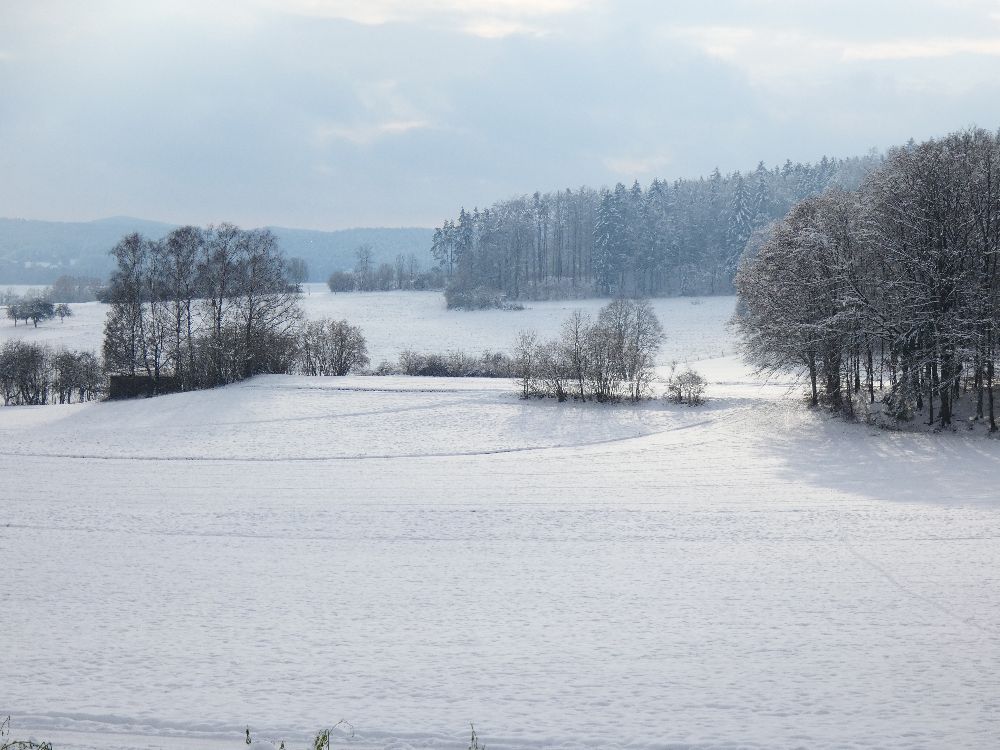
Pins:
x,y
684,237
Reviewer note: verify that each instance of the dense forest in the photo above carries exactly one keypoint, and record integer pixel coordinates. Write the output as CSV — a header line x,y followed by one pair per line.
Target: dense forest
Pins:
x,y
684,237
890,290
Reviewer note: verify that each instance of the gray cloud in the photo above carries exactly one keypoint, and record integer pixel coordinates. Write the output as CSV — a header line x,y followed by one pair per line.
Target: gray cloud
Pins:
x,y
330,113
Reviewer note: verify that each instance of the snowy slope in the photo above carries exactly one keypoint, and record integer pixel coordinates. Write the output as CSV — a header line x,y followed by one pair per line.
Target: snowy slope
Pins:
x,y
415,554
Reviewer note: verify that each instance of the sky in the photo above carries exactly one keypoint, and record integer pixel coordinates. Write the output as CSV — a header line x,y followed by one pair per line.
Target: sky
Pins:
x,y
329,114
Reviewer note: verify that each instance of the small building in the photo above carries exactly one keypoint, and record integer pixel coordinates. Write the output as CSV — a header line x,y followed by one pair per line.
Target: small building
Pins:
x,y
141,386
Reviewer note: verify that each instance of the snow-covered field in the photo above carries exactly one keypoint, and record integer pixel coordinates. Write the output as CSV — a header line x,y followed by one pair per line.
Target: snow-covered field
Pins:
x,y
414,554
395,321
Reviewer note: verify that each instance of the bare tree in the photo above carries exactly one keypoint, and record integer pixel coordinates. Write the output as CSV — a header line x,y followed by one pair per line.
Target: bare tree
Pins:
x,y
574,349
364,268
526,361
298,272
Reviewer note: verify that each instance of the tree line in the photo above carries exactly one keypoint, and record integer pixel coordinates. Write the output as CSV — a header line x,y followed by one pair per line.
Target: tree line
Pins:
x,y
207,307
607,359
684,237
403,274
33,374
890,290
37,310
204,307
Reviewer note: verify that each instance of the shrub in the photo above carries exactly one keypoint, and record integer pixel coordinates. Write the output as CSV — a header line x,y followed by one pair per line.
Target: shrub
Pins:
x,y
478,298
686,387
341,281
331,347
454,364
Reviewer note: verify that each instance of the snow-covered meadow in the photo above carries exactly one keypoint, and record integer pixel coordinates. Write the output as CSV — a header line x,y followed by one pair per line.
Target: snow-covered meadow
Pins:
x,y
412,555
396,321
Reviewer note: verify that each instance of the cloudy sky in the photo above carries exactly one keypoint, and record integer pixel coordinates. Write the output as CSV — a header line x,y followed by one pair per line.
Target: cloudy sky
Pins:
x,y
337,113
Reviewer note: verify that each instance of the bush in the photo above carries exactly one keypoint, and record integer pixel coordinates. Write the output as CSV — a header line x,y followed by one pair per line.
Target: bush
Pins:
x,y
331,347
341,281
455,364
478,298
686,387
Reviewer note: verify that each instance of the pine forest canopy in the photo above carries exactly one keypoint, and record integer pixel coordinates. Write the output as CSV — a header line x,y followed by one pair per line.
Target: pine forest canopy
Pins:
x,y
684,237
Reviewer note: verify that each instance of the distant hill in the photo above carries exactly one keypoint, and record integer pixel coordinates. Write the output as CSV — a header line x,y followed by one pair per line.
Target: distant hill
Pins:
x,y
36,252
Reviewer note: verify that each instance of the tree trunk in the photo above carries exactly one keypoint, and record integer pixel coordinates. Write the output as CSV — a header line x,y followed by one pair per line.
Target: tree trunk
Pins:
x,y
814,401
989,390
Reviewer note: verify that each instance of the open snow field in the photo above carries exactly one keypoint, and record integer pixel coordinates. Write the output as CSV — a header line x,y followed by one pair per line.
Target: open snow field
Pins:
x,y
414,554
395,321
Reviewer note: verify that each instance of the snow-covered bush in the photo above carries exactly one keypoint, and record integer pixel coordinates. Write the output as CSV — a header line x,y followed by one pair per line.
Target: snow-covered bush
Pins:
x,y
341,281
686,387
331,347
478,298
454,364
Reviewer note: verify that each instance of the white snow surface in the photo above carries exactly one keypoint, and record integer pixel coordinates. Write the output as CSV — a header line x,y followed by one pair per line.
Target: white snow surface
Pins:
x,y
419,321
416,554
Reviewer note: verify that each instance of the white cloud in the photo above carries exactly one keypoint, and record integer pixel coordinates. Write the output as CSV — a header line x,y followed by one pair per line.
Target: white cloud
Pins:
x,y
783,58
768,57
486,18
910,49
497,28
367,133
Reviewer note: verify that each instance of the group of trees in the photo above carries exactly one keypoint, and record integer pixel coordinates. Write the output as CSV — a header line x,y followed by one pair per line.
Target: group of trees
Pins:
x,y
32,374
75,289
405,273
202,306
605,360
891,289
37,310
679,238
